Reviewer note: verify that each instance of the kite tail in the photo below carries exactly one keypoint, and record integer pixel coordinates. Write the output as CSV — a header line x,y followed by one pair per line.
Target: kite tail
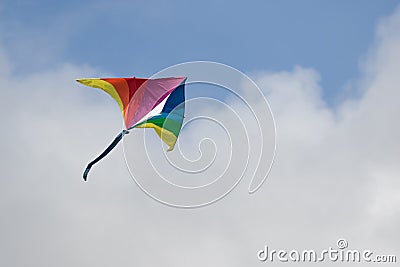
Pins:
x,y
102,155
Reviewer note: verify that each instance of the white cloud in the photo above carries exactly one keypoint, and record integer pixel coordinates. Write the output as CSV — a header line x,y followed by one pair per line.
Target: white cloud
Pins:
x,y
336,175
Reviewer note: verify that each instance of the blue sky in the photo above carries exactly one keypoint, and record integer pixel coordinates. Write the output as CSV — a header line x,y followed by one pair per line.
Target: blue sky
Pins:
x,y
142,37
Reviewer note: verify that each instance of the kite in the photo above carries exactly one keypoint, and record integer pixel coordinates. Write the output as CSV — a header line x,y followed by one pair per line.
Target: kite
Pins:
x,y
144,103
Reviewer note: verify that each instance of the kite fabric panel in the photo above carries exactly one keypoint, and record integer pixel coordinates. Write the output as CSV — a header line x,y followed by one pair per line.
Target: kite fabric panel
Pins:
x,y
168,122
145,103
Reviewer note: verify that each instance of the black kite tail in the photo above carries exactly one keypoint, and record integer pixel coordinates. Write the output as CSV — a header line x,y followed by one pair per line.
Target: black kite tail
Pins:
x,y
102,155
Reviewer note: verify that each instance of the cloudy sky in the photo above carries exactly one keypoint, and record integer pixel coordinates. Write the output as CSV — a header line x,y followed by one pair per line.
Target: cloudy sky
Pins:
x,y
329,70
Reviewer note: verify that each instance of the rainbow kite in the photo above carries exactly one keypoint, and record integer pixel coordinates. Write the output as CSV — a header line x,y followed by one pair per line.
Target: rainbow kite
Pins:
x,y
144,103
